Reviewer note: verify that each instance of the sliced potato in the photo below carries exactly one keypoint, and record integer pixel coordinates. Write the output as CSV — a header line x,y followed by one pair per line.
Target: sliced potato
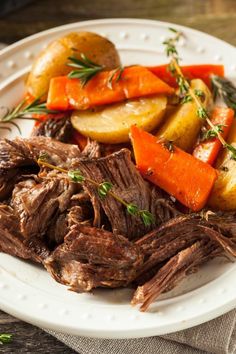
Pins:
x,y
223,195
52,61
111,124
183,126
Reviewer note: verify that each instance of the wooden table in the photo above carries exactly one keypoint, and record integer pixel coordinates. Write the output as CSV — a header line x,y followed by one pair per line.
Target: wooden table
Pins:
x,y
217,17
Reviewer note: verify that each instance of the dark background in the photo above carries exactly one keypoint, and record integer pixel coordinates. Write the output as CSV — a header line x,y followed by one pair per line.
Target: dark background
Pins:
x,y
217,17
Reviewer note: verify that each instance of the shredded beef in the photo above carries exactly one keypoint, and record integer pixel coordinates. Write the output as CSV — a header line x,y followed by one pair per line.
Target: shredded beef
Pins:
x,y
174,271
14,243
18,158
92,150
67,226
57,128
92,257
181,232
37,203
128,184
25,152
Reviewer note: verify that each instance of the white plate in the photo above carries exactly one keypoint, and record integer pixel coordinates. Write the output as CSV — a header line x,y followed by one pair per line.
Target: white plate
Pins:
x,y
28,292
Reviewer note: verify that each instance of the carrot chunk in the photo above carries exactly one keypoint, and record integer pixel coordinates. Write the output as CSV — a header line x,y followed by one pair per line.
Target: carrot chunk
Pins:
x,y
134,82
57,98
207,151
203,72
180,174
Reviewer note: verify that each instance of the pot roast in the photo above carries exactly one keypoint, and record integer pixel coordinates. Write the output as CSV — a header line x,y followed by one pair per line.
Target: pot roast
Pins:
x,y
85,241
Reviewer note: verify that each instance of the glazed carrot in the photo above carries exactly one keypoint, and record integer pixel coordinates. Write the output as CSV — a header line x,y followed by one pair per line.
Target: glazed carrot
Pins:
x,y
95,93
208,150
180,174
135,81
57,98
202,72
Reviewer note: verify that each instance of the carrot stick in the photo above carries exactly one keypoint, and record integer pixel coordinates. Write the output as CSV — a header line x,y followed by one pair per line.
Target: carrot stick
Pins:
x,y
180,174
57,98
208,150
135,81
203,72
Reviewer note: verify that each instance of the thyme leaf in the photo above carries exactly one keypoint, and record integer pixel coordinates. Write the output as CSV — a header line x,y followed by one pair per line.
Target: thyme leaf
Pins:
x,y
132,209
186,99
232,149
5,338
212,133
104,188
199,93
76,176
202,113
147,217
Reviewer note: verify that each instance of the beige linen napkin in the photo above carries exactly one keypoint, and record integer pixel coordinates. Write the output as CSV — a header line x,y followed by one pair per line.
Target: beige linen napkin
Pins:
x,y
217,336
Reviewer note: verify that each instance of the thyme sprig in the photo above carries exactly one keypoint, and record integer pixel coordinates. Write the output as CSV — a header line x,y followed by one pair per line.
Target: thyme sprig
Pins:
x,y
5,338
170,46
210,133
185,88
25,111
224,89
103,189
85,68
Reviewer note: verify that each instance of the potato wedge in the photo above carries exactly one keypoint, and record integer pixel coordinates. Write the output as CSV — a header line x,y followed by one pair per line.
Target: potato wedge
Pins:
x,y
223,195
111,124
183,126
52,61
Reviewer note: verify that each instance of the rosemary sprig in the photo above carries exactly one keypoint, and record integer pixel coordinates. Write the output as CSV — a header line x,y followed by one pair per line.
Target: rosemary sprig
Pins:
x,y
5,338
103,189
168,144
115,76
185,88
25,111
224,89
85,68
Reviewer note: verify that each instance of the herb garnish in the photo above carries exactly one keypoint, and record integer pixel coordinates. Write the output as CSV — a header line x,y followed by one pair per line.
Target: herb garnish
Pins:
x,y
85,68
186,99
224,89
5,338
103,189
168,144
115,76
210,133
25,111
185,88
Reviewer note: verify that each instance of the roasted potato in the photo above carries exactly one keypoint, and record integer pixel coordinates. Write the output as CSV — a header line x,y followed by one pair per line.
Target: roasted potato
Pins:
x,y
183,126
111,124
52,61
223,195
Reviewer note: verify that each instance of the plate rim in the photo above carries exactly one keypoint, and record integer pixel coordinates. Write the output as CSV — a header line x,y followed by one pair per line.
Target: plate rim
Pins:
x,y
33,37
